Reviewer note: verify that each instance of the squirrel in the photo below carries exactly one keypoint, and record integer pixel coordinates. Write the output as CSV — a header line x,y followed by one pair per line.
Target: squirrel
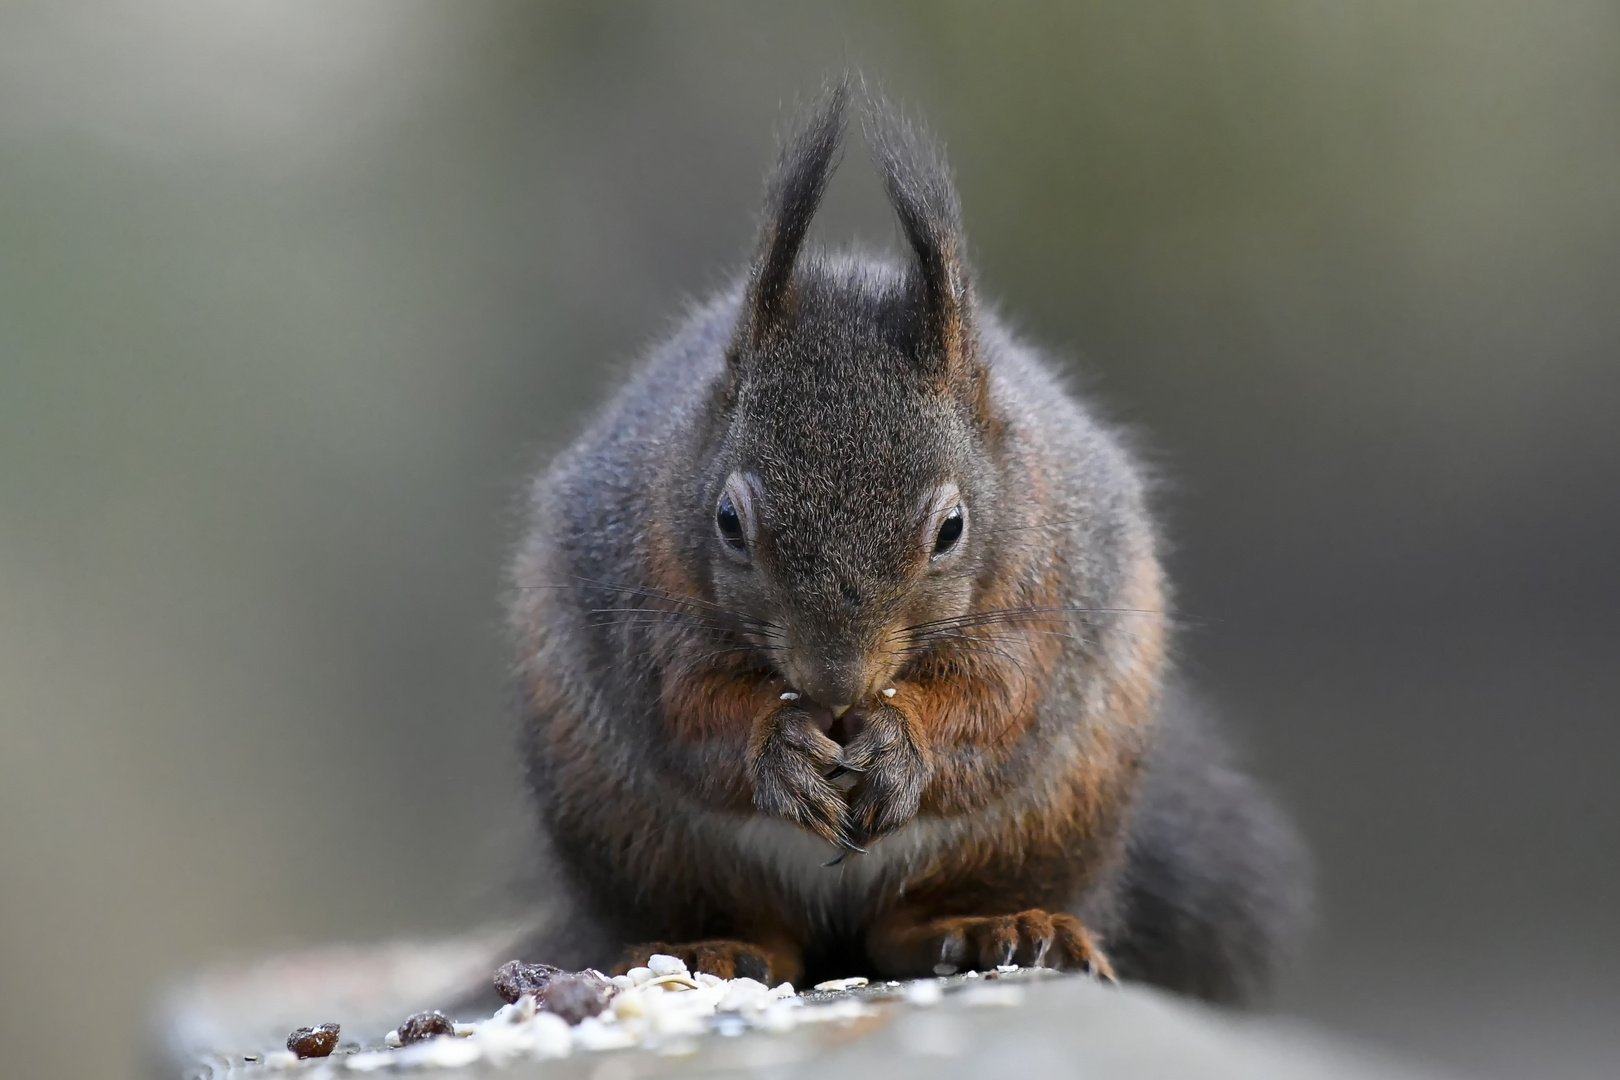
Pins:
x,y
844,643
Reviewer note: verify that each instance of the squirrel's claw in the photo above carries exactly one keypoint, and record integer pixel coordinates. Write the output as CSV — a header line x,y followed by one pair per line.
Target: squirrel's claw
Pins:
x,y
894,770
788,759
850,848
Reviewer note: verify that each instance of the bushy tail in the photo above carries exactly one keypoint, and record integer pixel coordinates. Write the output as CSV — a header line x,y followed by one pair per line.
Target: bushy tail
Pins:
x,y
1217,883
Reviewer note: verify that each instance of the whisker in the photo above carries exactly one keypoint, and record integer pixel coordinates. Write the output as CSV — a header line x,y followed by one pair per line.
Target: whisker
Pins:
x,y
975,644
1081,639
643,590
1033,613
764,629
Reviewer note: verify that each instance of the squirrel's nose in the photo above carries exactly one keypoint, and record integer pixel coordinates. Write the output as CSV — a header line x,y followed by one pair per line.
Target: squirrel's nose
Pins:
x,y
834,684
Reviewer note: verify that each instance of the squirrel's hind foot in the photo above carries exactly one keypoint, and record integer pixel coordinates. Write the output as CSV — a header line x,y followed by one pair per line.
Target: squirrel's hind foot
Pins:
x,y
1032,938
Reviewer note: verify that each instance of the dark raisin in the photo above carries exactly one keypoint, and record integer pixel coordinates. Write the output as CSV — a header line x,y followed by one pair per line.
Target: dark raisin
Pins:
x,y
424,1025
574,997
308,1042
515,978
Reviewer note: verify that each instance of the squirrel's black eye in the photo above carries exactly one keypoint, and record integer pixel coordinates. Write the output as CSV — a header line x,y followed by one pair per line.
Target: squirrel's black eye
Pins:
x,y
727,520
950,531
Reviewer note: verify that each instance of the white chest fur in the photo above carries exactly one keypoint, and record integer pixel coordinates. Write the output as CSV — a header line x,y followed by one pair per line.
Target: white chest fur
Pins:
x,y
796,863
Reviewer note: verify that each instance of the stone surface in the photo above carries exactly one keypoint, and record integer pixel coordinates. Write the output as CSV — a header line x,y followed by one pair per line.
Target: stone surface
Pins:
x,y
1014,1024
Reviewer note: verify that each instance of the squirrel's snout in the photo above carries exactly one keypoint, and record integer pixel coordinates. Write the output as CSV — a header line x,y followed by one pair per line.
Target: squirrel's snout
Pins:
x,y
835,684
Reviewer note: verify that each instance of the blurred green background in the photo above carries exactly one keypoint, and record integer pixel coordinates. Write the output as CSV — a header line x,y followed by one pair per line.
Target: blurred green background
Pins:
x,y
293,294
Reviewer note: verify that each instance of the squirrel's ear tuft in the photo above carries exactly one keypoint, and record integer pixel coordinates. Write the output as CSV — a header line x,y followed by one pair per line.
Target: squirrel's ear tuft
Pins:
x,y
919,186
808,159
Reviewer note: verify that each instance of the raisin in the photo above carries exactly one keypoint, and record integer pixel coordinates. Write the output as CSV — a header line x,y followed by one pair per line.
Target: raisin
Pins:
x,y
574,997
515,978
424,1025
308,1042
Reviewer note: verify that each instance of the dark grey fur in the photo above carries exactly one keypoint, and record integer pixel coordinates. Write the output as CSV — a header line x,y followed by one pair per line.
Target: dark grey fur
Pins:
x,y
848,388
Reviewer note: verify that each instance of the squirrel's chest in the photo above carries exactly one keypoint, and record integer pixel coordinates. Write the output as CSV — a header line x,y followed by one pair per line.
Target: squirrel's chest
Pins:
x,y
794,864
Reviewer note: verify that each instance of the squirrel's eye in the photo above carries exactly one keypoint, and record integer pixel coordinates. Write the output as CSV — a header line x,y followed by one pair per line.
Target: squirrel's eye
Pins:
x,y
950,531
727,520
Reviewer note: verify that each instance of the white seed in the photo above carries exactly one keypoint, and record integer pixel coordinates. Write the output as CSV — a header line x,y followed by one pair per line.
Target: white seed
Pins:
x,y
664,964
639,1013
790,696
393,1039
743,994
842,984
889,692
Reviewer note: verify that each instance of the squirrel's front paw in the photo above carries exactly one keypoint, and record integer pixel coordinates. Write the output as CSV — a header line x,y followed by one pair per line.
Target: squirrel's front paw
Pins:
x,y
893,767
788,762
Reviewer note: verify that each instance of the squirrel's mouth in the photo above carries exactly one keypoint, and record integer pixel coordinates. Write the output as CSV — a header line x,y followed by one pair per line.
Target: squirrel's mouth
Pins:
x,y
839,686
843,724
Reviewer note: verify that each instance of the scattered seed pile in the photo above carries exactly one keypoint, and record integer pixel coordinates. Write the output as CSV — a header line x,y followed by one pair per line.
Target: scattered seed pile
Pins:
x,y
552,1013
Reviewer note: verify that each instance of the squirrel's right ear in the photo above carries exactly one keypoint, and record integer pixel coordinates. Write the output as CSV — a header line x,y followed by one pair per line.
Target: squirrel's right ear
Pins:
x,y
794,192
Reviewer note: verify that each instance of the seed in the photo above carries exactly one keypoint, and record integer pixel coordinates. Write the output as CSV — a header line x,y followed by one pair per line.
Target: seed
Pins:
x,y
889,692
515,978
574,997
664,964
424,1025
790,696
308,1042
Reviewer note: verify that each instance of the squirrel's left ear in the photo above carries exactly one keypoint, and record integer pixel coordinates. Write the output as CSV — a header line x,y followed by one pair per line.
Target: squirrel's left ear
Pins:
x,y
919,186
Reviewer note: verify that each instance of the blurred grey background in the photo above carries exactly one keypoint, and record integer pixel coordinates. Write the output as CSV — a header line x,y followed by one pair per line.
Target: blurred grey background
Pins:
x,y
293,294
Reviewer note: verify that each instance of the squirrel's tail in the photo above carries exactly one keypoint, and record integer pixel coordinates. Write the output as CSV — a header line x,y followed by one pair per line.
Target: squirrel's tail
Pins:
x,y
1216,888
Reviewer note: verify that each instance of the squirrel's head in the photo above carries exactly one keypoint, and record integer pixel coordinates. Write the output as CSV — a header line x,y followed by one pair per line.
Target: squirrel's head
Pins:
x,y
852,484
